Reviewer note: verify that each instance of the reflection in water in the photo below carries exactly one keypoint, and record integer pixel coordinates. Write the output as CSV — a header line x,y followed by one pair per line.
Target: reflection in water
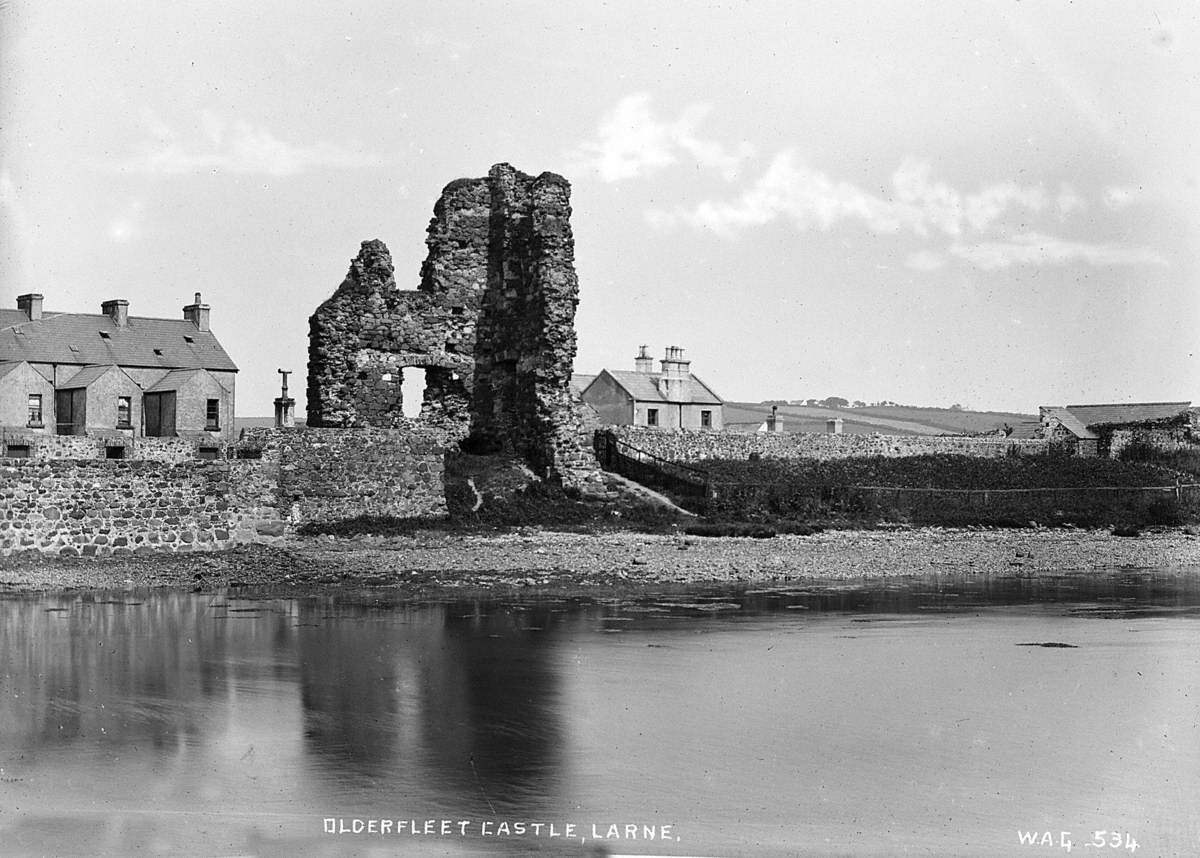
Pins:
x,y
854,718
467,697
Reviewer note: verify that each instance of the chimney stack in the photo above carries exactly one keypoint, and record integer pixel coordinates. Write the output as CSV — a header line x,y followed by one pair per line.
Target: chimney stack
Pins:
x,y
118,310
197,314
673,364
643,362
30,305
673,382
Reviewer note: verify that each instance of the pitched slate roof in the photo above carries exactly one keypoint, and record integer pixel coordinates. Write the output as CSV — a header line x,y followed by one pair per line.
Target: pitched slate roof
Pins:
x,y
643,387
171,380
6,368
85,377
1081,419
1133,412
580,381
76,338
1069,421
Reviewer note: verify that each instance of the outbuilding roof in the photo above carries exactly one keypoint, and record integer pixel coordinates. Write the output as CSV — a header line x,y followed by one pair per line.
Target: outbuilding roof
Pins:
x,y
171,380
85,377
85,338
1081,420
1069,421
580,381
1133,412
6,368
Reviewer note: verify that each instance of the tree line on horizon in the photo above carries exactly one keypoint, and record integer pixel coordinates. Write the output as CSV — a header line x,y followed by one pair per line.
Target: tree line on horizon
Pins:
x,y
840,402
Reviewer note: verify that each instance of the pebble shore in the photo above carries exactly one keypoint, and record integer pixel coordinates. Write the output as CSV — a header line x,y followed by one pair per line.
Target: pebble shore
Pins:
x,y
431,563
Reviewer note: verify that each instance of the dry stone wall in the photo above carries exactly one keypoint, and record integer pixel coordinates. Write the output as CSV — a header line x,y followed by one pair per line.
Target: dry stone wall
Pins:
x,y
695,445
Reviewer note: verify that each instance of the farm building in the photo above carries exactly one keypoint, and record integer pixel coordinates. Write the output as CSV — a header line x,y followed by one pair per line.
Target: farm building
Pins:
x,y
1103,430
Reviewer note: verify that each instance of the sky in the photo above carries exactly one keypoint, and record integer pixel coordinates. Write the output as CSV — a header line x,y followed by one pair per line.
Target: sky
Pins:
x,y
992,204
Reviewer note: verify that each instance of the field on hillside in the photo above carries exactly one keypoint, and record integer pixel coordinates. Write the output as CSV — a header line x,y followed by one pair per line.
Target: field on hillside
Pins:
x,y
948,419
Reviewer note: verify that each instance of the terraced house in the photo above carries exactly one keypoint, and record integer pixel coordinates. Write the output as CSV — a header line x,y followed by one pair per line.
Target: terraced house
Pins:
x,y
112,374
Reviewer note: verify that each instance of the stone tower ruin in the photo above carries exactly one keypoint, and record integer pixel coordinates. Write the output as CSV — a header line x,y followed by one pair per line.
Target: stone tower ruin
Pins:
x,y
491,324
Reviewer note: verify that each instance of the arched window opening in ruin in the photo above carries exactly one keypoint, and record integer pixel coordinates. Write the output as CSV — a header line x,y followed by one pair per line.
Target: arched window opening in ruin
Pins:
x,y
412,391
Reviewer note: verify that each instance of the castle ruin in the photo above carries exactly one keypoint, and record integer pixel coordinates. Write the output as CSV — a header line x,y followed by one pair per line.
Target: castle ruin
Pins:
x,y
491,324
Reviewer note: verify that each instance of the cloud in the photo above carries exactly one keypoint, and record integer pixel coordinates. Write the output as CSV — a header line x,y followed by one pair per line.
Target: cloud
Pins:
x,y
1034,248
232,147
632,142
1117,197
17,235
791,189
925,260
127,225
993,202
1068,201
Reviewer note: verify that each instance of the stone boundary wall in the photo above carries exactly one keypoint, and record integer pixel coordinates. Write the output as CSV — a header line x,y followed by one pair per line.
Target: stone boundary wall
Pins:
x,y
694,445
1167,440
77,447
90,506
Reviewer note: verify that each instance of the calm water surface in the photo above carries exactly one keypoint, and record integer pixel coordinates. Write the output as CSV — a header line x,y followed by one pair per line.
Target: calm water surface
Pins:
x,y
907,718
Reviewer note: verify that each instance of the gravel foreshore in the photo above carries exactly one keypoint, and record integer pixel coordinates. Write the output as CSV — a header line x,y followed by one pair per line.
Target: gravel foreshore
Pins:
x,y
429,563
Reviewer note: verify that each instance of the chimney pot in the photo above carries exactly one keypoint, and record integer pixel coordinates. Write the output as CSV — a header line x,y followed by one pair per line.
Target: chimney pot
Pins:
x,y
31,305
643,362
197,314
118,310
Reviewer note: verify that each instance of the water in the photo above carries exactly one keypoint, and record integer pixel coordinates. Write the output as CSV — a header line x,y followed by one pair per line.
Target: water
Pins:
x,y
905,718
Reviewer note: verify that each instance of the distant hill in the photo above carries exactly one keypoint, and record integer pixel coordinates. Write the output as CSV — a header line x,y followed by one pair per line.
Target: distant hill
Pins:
x,y
240,423
884,419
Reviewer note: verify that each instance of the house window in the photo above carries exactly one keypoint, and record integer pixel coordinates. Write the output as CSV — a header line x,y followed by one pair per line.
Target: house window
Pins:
x,y
35,409
212,415
114,452
651,416
124,412
706,419
209,453
17,451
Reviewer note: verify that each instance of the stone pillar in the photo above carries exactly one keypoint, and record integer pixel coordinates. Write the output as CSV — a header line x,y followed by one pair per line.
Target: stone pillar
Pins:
x,y
285,406
285,413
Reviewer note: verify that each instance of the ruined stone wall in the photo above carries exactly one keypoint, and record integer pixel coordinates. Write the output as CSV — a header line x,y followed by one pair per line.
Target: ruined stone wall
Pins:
x,y
492,324
330,474
526,334
694,445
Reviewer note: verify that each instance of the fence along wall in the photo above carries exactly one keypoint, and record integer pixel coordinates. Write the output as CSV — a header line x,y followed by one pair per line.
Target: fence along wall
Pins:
x,y
696,445
92,507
